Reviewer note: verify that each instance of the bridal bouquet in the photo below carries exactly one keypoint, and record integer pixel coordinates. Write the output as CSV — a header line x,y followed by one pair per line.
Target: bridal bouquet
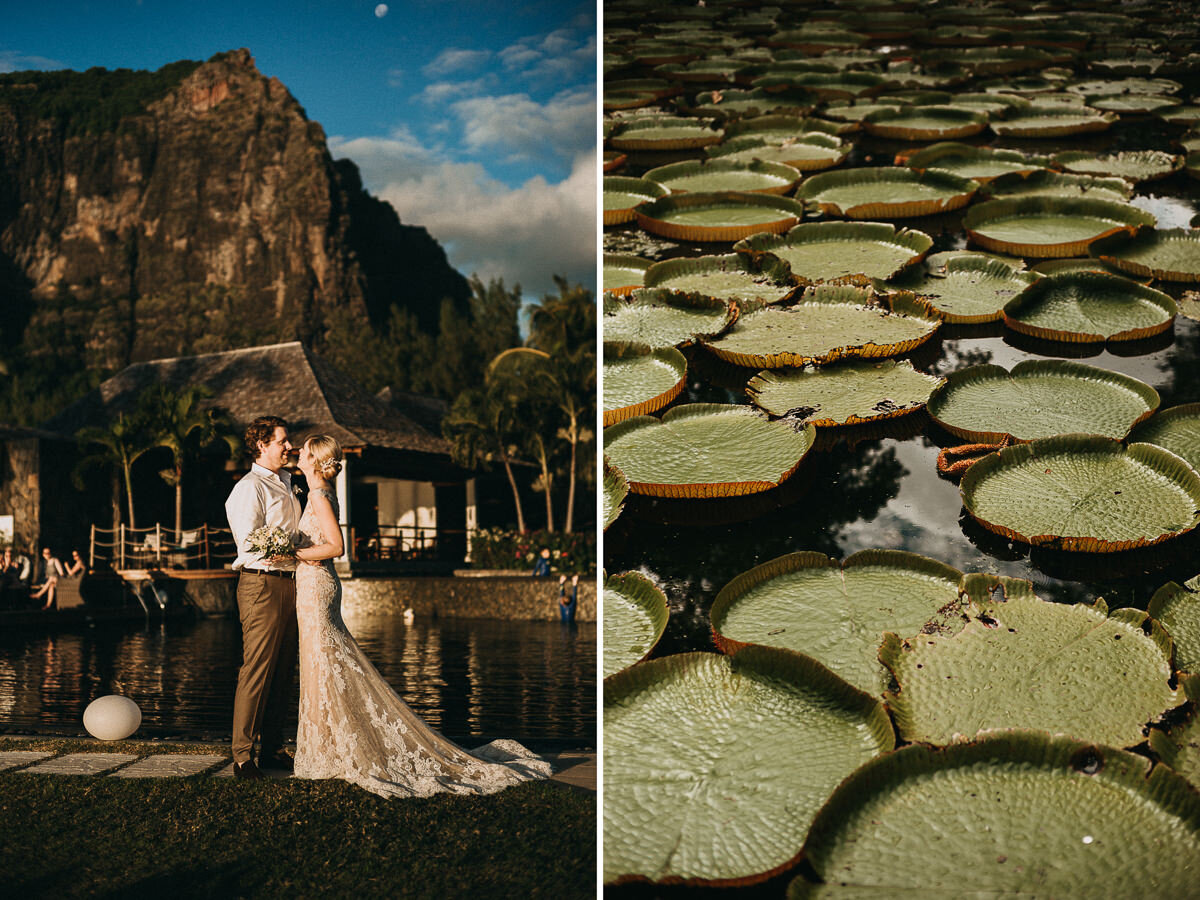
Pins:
x,y
270,541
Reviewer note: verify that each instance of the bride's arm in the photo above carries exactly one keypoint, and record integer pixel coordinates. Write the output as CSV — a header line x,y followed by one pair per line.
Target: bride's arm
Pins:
x,y
333,546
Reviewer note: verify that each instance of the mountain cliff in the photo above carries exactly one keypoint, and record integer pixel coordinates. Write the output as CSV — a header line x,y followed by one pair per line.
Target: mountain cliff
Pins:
x,y
192,209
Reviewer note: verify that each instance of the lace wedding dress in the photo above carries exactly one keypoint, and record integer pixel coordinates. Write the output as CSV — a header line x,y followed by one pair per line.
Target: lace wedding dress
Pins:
x,y
353,725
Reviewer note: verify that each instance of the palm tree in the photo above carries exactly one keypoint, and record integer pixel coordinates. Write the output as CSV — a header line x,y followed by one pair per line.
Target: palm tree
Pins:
x,y
479,428
118,444
179,423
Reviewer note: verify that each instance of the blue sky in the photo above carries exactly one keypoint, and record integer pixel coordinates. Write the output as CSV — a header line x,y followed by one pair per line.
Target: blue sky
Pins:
x,y
473,119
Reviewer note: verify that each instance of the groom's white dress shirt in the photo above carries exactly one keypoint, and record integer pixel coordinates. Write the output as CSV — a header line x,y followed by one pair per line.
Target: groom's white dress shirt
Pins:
x,y
261,498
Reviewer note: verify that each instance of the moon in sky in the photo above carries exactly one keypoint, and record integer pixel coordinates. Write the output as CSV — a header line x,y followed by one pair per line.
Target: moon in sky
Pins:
x,y
381,10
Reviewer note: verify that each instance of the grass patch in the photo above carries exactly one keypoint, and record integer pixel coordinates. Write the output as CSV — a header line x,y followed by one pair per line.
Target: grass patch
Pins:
x,y
77,836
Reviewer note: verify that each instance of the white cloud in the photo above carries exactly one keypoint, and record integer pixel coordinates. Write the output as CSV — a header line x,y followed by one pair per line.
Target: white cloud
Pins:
x,y
12,61
438,92
395,77
456,60
524,129
557,56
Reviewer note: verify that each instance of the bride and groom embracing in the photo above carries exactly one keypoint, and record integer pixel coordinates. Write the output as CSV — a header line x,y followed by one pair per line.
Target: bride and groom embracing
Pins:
x,y
352,725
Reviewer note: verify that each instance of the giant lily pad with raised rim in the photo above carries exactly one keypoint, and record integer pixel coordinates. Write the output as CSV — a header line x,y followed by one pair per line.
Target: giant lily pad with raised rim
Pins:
x,y
887,192
719,216
754,176
857,110
1177,607
977,163
779,128
1044,183
1169,255
1177,429
664,319
624,272
1023,662
1132,165
830,322
664,133
1179,745
967,290
1015,815
1085,307
732,104
635,617
733,276
1050,120
1083,493
836,613
842,252
849,393
1131,104
706,450
804,153
615,491
1048,226
925,123
1126,86
1040,398
639,381
701,779
622,195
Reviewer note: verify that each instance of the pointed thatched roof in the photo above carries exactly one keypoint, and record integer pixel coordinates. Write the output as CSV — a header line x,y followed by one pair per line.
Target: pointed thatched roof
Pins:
x,y
285,380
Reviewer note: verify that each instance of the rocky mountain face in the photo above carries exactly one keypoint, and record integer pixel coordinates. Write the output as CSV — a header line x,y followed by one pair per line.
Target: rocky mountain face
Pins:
x,y
211,216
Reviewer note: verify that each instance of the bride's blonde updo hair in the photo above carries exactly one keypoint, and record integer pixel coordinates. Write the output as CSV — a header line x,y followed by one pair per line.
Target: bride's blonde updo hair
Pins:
x,y
327,455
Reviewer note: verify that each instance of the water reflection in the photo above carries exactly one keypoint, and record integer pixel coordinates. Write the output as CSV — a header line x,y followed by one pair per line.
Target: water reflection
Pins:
x,y
470,679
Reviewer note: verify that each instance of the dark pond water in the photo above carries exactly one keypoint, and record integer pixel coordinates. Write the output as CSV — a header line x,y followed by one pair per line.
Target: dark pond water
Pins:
x,y
472,679
870,487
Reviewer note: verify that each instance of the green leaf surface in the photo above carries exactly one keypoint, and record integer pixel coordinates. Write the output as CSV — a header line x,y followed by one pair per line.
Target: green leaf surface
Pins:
x,y
1176,429
886,192
967,289
1132,165
1089,306
1044,183
663,319
1023,662
641,381
835,613
842,251
978,163
1179,745
706,450
1014,815
1171,254
1048,226
727,277
724,175
616,488
714,766
623,271
846,393
718,215
635,616
803,152
1040,398
1083,493
1178,609
1050,120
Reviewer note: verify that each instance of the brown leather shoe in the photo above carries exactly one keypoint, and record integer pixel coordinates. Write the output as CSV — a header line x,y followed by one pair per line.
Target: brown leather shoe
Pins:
x,y
248,770
277,759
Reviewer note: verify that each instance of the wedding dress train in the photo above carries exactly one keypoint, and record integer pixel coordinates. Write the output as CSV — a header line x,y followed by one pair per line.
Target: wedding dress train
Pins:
x,y
352,724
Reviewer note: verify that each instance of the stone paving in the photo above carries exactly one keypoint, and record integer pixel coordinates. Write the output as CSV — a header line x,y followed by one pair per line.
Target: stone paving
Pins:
x,y
165,765
11,758
81,764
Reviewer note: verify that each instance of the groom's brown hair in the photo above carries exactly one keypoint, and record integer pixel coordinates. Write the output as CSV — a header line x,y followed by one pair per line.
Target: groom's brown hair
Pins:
x,y
261,429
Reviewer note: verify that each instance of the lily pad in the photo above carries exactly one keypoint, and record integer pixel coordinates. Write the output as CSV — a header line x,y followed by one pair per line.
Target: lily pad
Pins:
x,y
968,289
836,613
664,133
1168,255
1048,226
1180,115
733,103
1178,609
1023,662
1080,264
1132,104
623,272
1126,86
664,319
890,192
719,216
733,276
635,617
848,393
615,491
839,85
830,322
1132,165
701,781
780,128
1085,307
1040,398
857,110
804,153
1179,746
706,450
1045,183
977,163
1176,429
755,176
842,252
925,123
639,381
622,195
1052,120
1033,817
1083,493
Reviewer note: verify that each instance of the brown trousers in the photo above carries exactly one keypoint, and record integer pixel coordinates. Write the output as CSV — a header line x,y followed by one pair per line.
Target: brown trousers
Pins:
x,y
267,607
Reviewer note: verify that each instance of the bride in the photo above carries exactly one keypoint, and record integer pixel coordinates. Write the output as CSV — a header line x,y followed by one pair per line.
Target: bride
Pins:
x,y
352,724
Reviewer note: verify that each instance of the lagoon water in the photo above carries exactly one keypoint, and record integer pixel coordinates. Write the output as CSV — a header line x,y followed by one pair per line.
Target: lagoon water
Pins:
x,y
472,679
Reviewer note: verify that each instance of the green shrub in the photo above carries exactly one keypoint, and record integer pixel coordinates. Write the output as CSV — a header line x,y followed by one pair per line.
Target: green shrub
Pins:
x,y
570,553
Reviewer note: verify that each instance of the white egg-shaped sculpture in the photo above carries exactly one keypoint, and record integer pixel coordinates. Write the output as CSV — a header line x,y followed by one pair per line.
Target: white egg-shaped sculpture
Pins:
x,y
112,718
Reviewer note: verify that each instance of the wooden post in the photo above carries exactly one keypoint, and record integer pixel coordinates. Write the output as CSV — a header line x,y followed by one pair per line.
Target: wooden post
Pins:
x,y
121,547
158,544
92,548
207,559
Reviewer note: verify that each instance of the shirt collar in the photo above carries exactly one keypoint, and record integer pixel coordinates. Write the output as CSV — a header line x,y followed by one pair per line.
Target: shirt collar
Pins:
x,y
284,477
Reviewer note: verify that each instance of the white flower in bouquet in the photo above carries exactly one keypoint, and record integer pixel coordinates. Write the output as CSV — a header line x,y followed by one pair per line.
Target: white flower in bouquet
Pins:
x,y
269,541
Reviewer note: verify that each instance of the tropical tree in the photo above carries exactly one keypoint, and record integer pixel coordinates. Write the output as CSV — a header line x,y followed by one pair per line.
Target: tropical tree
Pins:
x,y
479,427
178,422
118,445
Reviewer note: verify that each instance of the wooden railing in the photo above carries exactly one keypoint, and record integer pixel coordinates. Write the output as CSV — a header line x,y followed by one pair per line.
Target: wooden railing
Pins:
x,y
394,542
125,548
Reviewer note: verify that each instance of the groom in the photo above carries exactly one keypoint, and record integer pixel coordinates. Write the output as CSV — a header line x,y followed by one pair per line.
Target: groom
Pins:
x,y
266,597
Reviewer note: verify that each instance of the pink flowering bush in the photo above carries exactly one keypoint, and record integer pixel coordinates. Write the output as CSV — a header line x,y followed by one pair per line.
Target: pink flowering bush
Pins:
x,y
570,554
